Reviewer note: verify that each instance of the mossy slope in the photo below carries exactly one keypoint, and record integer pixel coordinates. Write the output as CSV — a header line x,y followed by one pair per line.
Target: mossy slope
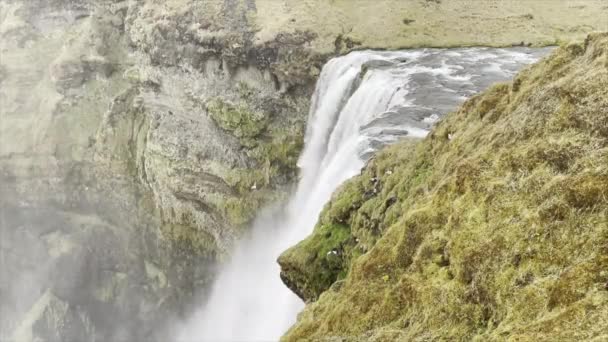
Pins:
x,y
494,227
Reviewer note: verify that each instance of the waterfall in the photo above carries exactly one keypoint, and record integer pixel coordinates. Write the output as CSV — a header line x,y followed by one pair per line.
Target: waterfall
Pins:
x,y
362,101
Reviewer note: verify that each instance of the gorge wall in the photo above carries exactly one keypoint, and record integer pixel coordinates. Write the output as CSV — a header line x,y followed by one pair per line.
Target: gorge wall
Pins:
x,y
138,138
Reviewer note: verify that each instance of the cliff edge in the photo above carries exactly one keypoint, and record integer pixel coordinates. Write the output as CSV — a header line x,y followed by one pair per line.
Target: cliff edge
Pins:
x,y
494,227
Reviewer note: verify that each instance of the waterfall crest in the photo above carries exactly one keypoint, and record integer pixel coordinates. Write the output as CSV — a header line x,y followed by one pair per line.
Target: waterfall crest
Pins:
x,y
362,102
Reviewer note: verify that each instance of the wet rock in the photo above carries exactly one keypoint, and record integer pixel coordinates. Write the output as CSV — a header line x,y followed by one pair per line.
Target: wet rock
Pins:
x,y
53,320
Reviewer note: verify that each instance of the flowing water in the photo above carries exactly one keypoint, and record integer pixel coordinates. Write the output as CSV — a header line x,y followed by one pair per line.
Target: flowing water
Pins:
x,y
362,102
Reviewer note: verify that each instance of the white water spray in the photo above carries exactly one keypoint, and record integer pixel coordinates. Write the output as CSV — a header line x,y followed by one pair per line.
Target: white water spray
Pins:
x,y
363,101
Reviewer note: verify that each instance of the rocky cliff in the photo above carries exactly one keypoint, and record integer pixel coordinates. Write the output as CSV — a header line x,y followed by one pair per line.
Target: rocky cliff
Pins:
x,y
138,138
493,228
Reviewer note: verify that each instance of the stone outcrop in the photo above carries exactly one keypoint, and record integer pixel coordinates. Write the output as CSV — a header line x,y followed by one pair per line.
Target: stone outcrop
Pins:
x,y
121,186
138,138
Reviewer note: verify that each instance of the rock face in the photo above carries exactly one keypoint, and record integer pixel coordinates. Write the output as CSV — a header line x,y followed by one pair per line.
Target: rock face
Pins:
x,y
130,147
494,227
138,138
51,319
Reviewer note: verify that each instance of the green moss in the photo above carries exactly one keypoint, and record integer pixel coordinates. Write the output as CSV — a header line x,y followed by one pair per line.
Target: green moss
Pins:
x,y
349,226
279,156
186,237
240,211
243,180
272,148
318,261
276,164
237,119
494,227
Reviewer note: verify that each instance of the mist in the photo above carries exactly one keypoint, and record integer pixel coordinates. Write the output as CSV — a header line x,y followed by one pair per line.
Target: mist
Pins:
x,y
82,254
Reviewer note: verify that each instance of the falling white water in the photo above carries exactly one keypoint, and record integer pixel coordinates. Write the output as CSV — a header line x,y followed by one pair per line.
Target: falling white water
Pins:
x,y
362,101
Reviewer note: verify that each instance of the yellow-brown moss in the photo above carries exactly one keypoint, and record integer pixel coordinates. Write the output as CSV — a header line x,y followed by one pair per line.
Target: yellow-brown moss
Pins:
x,y
499,233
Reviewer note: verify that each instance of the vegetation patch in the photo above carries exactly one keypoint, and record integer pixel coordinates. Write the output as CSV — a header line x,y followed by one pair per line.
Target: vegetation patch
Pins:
x,y
493,228
188,238
272,145
275,164
279,156
238,119
318,261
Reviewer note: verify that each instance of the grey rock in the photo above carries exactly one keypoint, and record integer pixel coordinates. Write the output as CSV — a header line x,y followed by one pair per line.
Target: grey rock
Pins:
x,y
120,192
52,320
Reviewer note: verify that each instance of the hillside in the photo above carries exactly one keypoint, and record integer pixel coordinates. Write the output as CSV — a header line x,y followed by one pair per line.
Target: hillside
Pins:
x,y
494,227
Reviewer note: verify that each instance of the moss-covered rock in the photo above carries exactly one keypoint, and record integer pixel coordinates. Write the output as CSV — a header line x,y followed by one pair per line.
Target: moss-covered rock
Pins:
x,y
317,262
349,226
279,156
237,119
271,143
494,227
